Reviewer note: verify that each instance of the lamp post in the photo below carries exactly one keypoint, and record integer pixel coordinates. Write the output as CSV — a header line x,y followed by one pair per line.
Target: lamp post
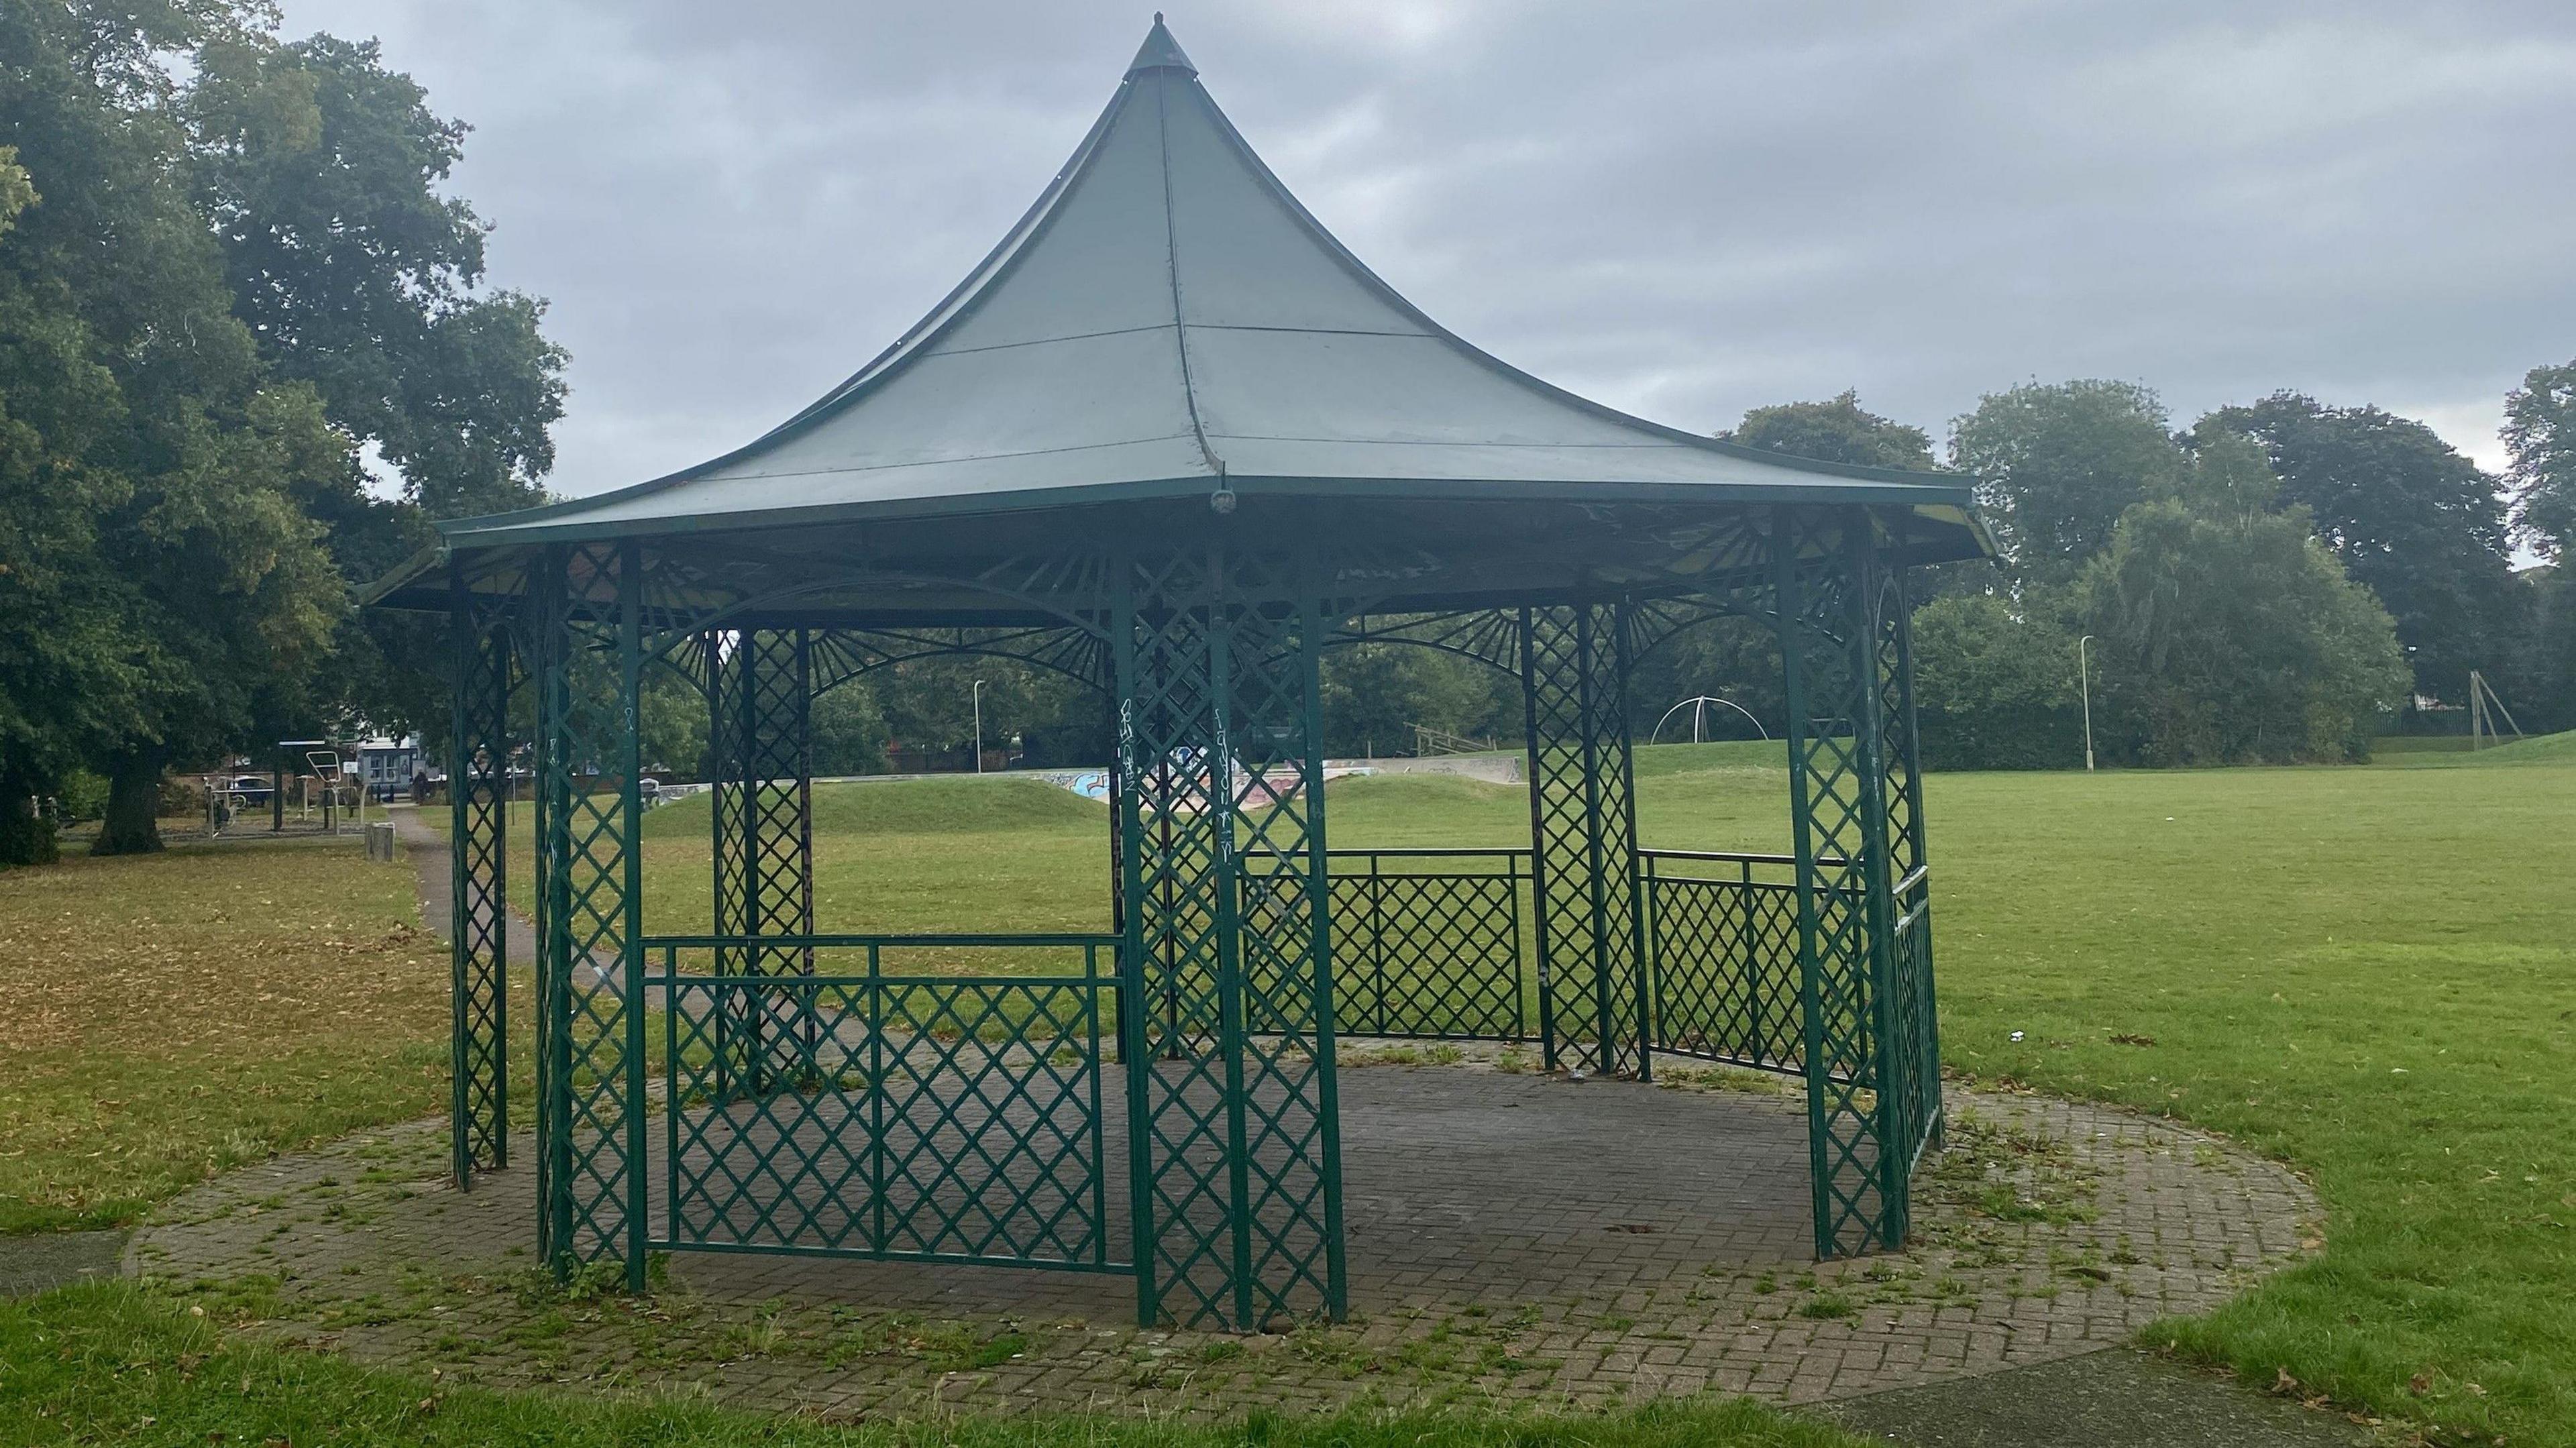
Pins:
x,y
979,726
2084,677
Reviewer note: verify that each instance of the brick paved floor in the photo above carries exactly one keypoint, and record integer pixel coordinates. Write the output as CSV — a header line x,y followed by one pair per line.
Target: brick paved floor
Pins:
x,y
1513,1237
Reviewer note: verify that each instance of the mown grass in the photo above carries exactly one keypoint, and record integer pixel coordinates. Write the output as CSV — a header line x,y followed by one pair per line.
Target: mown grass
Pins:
x,y
174,1015
110,1363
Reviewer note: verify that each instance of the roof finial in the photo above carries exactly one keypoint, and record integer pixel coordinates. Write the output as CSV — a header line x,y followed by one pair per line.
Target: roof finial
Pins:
x,y
1161,52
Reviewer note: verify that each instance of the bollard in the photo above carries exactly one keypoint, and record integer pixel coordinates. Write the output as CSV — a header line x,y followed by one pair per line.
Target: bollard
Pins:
x,y
380,840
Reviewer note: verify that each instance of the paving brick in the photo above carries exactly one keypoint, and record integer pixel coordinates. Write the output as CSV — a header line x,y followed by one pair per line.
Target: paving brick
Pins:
x,y
1473,1196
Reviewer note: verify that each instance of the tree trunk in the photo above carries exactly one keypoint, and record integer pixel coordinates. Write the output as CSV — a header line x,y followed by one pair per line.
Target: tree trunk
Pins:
x,y
132,826
26,837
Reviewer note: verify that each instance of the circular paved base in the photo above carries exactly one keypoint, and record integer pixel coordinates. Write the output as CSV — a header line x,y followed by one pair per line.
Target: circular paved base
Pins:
x,y
1511,1236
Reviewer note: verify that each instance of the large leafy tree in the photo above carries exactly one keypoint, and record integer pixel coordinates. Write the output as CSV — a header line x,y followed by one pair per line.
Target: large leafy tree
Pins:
x,y
1837,430
2230,633
2540,431
2419,524
227,265
191,574
2058,463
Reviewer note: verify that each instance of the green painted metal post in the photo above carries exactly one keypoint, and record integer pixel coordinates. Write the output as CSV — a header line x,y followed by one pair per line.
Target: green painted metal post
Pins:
x,y
1127,685
1890,1064
554,863
1536,768
1640,939
1928,1021
478,883
1791,605
630,661
1319,907
1224,797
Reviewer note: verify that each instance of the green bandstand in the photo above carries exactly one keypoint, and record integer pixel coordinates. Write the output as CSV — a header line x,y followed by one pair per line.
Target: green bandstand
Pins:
x,y
1171,439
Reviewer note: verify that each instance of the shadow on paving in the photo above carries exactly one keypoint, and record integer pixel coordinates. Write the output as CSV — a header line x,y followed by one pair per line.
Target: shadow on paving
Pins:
x,y
2112,1399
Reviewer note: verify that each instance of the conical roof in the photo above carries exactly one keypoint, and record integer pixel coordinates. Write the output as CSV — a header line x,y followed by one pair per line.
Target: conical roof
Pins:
x,y
1167,319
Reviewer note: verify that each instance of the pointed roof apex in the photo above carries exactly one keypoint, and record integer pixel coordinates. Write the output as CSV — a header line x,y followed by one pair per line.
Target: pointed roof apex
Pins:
x,y
1161,52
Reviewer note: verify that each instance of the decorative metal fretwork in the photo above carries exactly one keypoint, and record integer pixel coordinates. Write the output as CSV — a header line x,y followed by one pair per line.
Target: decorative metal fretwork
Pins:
x,y
1077,652
760,757
1857,1087
478,781
1234,1139
589,884
1591,954
939,1116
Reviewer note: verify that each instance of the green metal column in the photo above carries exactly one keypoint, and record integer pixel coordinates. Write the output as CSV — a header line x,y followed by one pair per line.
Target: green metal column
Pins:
x,y
1583,838
1236,1175
1909,864
760,688
588,871
478,805
1824,562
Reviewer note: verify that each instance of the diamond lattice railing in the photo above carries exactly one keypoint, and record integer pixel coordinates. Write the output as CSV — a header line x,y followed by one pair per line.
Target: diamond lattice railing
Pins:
x,y
939,1117
478,798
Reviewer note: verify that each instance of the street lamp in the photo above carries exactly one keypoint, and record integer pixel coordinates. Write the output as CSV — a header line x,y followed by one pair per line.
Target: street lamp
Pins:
x,y
979,726
2084,676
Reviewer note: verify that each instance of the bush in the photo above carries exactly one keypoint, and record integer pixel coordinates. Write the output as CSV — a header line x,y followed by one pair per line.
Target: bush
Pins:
x,y
1995,686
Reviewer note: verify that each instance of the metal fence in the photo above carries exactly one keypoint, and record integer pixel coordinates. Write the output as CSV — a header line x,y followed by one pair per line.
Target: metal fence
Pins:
x,y
1439,944
887,1105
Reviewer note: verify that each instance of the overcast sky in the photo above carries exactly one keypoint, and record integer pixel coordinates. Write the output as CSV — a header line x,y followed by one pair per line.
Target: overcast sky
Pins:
x,y
1685,210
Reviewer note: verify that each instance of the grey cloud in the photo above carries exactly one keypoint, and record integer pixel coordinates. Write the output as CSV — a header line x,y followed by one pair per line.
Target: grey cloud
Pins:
x,y
1686,210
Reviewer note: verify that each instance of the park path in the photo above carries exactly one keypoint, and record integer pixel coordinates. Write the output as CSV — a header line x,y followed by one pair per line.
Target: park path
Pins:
x,y
428,852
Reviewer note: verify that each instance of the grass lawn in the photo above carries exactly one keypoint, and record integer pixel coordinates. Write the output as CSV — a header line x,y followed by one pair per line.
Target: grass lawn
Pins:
x,y
2370,973
110,1363
174,1015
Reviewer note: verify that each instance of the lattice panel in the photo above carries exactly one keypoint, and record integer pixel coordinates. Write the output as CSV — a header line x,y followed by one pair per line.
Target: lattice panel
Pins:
x,y
1236,1153
947,1118
762,839
1917,1019
1829,607
587,881
1428,954
1727,982
1583,834
478,801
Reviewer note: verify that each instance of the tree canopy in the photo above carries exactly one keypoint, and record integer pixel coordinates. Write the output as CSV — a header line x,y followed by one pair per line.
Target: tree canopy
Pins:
x,y
2416,522
2058,463
227,273
1837,430
2540,433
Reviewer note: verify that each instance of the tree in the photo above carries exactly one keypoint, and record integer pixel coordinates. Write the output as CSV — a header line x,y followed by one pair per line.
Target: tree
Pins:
x,y
849,730
2540,433
319,170
2057,464
225,264
1995,685
2423,527
188,571
2229,633
1374,695
1838,430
